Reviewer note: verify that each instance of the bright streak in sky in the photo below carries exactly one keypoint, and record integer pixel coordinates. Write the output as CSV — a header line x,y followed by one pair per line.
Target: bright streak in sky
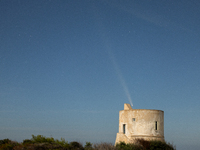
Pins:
x,y
121,78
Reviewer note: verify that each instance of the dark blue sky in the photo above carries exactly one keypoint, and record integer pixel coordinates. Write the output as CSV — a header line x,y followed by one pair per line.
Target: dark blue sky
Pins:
x,y
67,67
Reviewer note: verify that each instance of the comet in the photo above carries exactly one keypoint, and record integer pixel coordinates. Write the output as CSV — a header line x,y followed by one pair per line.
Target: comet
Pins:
x,y
120,76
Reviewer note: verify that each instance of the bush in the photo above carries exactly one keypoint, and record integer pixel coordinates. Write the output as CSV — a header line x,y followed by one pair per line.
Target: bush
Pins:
x,y
128,146
4,141
122,146
7,144
76,146
104,146
27,141
42,139
62,142
158,145
142,144
88,146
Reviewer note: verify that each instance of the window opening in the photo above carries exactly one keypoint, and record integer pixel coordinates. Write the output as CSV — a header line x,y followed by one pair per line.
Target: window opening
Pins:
x,y
156,125
133,119
124,128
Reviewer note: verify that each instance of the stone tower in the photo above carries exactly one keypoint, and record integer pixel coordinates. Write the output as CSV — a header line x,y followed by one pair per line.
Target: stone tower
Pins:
x,y
140,123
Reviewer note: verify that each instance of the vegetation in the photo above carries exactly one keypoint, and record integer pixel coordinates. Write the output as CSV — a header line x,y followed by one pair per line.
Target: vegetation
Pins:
x,y
40,142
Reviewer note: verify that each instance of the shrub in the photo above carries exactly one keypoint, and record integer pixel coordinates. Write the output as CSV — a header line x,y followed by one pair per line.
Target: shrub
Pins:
x,y
158,145
7,144
154,145
42,139
62,142
171,146
104,146
144,143
27,141
128,146
88,146
76,146
4,141
122,146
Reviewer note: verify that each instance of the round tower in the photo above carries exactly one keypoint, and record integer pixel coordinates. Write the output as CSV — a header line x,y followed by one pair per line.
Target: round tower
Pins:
x,y
140,123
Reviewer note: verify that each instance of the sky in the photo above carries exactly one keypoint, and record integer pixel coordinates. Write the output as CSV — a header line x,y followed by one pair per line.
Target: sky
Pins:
x,y
68,67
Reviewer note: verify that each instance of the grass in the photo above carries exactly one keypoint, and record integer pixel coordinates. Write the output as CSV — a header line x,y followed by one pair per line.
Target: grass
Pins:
x,y
40,142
